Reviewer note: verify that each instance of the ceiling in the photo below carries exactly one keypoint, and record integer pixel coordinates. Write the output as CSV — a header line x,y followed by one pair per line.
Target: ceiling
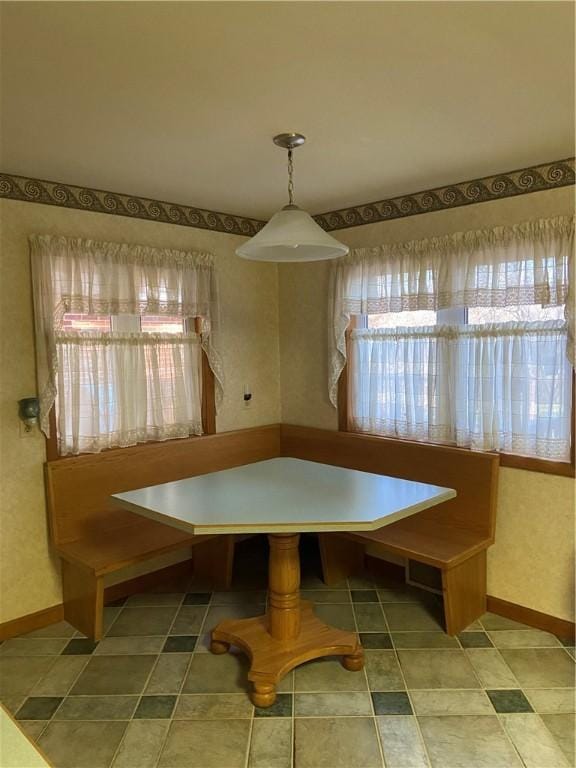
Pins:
x,y
179,101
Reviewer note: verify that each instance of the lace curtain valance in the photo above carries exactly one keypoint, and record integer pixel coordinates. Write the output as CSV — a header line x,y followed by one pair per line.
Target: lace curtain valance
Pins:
x,y
531,263
94,277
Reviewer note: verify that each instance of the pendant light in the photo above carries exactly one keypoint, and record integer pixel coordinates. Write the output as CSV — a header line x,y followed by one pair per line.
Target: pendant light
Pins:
x,y
291,234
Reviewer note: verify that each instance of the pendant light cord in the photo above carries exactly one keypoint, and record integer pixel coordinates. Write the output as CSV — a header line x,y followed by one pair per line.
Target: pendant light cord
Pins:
x,y
290,178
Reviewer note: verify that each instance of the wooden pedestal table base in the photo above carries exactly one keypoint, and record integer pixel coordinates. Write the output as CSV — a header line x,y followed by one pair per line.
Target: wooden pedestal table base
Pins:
x,y
289,634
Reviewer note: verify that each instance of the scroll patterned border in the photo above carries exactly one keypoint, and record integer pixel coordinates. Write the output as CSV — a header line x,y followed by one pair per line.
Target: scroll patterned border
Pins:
x,y
83,198
521,182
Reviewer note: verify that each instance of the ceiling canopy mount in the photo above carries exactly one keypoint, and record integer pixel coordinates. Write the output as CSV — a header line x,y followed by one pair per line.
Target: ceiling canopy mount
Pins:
x,y
291,234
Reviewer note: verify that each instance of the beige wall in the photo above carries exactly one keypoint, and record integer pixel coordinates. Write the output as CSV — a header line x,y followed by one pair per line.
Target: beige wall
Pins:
x,y
532,562
29,575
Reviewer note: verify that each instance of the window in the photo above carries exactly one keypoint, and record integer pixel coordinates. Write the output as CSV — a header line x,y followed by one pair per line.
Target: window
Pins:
x,y
461,341
118,385
122,334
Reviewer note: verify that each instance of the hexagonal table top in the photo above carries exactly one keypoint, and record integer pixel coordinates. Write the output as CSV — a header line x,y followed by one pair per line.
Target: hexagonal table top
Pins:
x,y
283,495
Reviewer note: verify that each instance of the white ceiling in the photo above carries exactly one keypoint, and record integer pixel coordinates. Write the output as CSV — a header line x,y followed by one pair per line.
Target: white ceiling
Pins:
x,y
179,101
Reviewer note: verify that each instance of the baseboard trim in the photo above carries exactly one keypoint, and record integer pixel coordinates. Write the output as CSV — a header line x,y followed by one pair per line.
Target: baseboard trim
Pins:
x,y
536,619
174,574
32,621
165,577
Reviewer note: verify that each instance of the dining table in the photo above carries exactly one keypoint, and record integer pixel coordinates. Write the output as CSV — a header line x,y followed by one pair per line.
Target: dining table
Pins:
x,y
283,497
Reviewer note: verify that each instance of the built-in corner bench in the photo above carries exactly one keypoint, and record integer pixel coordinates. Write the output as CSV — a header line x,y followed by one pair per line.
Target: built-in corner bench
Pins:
x,y
451,537
94,538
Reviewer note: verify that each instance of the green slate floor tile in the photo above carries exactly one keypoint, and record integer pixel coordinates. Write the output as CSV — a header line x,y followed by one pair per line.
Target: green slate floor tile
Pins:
x,y
206,744
375,640
80,744
437,669
383,671
391,703
561,726
535,743
97,708
61,676
197,598
509,701
423,640
341,742
410,617
475,640
168,674
225,673
213,706
61,629
115,646
80,646
328,675
19,674
364,595
114,675
401,742
39,708
271,743
282,707
188,620
370,617
141,745
180,644
155,707
540,667
349,704
451,702
142,621
467,742
339,616
25,646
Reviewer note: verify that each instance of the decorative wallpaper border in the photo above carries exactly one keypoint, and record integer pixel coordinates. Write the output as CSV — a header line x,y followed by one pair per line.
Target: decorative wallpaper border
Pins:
x,y
83,198
521,182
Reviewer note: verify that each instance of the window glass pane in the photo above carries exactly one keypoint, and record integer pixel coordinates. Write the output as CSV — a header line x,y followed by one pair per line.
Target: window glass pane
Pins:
x,y
162,324
518,314
77,322
405,319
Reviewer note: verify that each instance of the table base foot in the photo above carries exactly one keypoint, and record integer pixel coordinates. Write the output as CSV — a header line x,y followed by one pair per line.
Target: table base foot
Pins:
x,y
217,647
272,659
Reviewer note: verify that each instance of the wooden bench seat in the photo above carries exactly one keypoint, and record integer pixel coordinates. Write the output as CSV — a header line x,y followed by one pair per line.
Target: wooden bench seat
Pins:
x,y
428,541
94,537
452,537
111,551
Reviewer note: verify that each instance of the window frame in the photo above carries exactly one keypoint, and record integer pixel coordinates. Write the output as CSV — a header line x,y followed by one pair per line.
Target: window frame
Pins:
x,y
208,405
511,460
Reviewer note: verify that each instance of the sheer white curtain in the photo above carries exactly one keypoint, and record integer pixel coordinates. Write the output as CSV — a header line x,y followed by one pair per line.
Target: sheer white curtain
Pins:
x,y
503,387
101,278
119,389
526,264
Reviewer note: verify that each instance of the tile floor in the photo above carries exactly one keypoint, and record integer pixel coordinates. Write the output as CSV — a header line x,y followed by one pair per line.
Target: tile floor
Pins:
x,y
150,695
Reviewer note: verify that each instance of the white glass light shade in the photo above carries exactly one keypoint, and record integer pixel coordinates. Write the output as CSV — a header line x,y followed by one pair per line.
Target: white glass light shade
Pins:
x,y
292,235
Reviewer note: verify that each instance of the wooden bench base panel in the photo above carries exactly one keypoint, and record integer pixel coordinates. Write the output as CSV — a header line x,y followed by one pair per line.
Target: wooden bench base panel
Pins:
x,y
464,592
463,586
83,589
83,594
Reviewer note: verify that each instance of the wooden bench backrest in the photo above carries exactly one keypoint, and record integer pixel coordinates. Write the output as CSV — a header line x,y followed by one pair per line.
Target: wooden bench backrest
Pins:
x,y
78,488
473,475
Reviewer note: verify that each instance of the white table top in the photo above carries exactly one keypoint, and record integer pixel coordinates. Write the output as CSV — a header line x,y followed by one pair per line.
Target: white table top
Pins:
x,y
283,496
